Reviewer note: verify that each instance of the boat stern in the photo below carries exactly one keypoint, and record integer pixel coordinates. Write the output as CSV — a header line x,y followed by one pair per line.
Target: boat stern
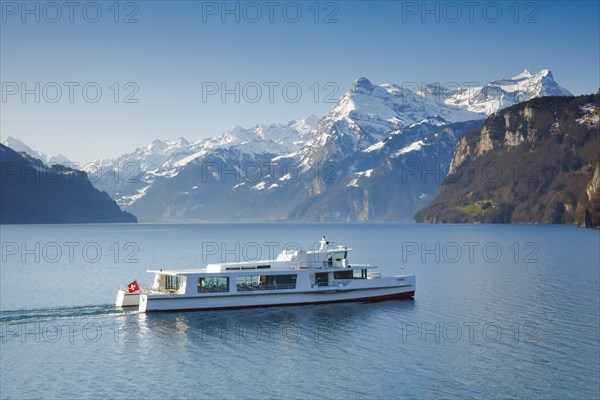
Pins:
x,y
126,299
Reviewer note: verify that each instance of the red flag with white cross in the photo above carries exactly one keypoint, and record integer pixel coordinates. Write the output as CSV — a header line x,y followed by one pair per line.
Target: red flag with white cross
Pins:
x,y
133,287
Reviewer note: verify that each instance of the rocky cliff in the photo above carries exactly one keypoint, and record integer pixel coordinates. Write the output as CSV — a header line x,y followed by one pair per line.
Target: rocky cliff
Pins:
x,y
534,162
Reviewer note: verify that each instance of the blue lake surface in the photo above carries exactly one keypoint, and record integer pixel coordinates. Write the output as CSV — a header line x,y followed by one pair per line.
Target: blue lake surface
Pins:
x,y
501,311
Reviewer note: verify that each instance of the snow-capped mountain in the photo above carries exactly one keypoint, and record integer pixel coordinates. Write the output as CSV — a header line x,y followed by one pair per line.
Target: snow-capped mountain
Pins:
x,y
275,139
352,164
365,114
128,177
379,154
21,147
389,180
503,93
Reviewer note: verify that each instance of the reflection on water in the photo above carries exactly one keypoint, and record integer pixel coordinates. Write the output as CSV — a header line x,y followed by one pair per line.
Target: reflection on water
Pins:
x,y
315,324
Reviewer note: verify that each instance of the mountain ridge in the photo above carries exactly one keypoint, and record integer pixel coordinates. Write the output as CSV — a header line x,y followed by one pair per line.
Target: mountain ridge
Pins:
x,y
21,147
304,162
35,193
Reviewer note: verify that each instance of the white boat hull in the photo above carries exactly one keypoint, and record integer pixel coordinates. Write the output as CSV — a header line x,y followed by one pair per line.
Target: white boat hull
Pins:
x,y
329,295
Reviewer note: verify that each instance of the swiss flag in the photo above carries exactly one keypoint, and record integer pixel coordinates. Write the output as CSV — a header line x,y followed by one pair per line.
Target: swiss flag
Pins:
x,y
133,287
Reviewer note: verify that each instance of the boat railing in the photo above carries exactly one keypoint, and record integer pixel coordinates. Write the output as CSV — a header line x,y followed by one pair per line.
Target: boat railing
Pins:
x,y
309,265
126,289
150,290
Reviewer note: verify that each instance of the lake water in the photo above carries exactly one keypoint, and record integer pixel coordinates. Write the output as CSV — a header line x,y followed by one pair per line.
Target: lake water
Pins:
x,y
500,312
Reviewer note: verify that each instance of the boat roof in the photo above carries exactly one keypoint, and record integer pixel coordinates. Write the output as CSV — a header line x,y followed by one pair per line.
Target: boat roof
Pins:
x,y
286,260
192,271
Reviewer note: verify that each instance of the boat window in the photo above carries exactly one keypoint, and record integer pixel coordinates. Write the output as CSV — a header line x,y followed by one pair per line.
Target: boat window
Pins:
x,y
359,274
210,284
247,282
283,281
322,278
263,266
343,274
266,282
351,274
336,257
172,282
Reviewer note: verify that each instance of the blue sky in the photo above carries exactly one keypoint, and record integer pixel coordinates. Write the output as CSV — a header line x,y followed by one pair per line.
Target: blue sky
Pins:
x,y
178,51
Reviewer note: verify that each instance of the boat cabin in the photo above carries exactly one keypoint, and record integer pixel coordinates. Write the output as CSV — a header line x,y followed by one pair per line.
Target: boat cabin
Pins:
x,y
279,274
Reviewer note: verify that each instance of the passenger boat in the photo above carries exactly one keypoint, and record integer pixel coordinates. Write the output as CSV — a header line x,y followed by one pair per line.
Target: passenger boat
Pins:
x,y
295,277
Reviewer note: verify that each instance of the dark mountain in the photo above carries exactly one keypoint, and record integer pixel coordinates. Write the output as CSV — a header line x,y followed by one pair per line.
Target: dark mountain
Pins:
x,y
534,162
33,193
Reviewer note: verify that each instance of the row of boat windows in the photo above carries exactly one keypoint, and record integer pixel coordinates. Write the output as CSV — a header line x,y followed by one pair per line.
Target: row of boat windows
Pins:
x,y
322,278
247,283
211,284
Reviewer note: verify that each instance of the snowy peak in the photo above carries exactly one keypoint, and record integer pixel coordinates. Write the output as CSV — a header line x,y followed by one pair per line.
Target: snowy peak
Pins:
x,y
362,85
496,95
274,139
158,151
528,75
153,156
182,142
305,126
523,75
527,86
546,73
21,147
